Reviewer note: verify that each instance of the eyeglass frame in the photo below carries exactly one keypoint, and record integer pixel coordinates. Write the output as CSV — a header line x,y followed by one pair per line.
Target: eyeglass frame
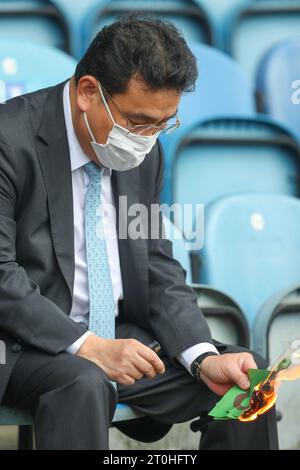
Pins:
x,y
172,127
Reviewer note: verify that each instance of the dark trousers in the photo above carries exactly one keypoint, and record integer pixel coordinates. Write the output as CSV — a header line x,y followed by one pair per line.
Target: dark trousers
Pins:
x,y
73,402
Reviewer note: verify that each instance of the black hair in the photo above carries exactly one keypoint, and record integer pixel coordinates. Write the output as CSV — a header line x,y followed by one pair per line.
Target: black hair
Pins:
x,y
141,46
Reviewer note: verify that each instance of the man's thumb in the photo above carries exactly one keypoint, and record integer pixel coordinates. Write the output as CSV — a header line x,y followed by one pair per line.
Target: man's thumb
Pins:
x,y
241,379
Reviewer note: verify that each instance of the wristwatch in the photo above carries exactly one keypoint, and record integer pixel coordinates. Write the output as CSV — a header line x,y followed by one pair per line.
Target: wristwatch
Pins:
x,y
195,366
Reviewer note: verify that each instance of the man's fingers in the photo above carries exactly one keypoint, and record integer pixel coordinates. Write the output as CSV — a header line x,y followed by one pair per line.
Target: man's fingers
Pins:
x,y
239,374
129,370
238,377
153,358
145,367
126,380
248,362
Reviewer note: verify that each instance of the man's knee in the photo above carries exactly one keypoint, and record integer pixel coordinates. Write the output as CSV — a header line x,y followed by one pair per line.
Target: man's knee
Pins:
x,y
89,379
82,379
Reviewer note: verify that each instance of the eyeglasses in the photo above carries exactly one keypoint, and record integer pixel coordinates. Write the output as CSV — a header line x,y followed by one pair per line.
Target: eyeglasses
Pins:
x,y
145,129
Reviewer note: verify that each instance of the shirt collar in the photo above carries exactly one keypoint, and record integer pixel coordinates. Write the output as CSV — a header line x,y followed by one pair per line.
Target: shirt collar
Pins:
x,y
77,156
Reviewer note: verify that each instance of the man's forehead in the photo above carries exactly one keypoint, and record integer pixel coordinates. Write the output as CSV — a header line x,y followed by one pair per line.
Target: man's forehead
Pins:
x,y
139,87
142,103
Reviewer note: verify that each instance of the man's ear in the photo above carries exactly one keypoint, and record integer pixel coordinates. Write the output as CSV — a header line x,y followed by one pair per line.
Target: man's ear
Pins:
x,y
87,91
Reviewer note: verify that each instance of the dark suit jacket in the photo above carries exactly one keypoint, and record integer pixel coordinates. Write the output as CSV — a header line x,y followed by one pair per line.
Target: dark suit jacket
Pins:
x,y
37,242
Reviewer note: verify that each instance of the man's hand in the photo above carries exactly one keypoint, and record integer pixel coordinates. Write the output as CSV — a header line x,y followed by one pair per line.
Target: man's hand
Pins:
x,y
220,373
123,360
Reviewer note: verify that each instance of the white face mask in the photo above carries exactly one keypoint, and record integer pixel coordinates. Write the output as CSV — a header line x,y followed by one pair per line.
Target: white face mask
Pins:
x,y
122,151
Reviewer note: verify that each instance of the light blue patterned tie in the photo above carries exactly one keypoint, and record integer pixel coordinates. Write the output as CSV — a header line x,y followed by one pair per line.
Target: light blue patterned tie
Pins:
x,y
102,308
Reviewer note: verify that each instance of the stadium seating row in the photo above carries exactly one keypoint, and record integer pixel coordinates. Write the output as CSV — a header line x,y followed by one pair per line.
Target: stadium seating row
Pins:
x,y
244,28
255,33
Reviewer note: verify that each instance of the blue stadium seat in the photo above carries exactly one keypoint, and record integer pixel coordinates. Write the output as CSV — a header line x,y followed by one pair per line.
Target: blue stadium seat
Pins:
x,y
16,417
277,323
221,7
219,11
187,15
222,88
26,67
12,416
251,248
220,157
231,96
38,21
74,13
257,26
278,83
225,318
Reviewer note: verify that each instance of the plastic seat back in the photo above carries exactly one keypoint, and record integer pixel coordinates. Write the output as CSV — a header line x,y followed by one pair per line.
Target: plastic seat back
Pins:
x,y
277,323
26,67
221,157
259,25
224,316
251,249
232,95
187,15
278,83
212,98
34,20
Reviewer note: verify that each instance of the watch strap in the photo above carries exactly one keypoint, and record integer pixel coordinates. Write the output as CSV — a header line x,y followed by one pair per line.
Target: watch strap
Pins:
x,y
195,366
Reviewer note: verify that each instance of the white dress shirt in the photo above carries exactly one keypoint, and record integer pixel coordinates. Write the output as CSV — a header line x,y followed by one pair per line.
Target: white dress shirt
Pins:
x,y
80,180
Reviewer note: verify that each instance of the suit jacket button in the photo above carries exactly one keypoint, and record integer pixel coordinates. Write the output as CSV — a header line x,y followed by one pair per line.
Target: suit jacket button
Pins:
x,y
16,347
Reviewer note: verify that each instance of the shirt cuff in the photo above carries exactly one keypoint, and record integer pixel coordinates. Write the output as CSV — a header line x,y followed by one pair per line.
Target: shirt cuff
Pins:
x,y
189,355
75,346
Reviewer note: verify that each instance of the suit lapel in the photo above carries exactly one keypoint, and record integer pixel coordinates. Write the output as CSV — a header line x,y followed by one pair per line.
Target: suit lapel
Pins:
x,y
133,253
55,163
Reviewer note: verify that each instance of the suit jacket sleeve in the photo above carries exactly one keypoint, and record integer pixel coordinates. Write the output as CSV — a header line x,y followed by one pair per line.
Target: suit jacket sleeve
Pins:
x,y
175,316
24,312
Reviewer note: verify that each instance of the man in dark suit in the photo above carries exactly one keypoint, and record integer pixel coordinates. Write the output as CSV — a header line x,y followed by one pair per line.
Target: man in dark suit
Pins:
x,y
64,290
